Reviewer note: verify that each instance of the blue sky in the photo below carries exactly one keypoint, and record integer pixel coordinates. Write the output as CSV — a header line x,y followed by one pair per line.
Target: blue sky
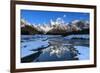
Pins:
x,y
41,17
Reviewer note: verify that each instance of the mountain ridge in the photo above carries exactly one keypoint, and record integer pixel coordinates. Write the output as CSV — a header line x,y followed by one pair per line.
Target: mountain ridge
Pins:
x,y
55,28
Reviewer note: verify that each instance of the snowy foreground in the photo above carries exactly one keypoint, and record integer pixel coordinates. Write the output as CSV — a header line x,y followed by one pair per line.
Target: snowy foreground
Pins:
x,y
40,48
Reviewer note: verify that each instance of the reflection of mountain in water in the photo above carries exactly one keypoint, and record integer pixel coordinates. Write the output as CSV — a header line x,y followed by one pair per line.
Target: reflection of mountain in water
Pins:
x,y
62,53
53,48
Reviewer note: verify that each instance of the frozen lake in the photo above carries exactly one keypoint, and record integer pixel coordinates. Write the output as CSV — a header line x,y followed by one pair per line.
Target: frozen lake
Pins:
x,y
42,48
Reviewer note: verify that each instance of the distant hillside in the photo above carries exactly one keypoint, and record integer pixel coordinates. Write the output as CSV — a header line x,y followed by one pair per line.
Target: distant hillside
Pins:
x,y
28,29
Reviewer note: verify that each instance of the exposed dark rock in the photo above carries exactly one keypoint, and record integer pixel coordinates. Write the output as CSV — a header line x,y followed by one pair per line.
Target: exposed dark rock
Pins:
x,y
29,30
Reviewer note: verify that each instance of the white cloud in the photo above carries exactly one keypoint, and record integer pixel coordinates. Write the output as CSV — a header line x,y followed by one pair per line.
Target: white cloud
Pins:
x,y
64,16
52,22
59,20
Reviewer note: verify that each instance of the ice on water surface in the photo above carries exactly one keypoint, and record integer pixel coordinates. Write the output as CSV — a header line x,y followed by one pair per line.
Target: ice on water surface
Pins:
x,y
54,48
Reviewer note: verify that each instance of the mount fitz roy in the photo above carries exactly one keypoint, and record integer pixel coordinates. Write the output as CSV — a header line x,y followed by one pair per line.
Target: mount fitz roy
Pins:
x,y
58,27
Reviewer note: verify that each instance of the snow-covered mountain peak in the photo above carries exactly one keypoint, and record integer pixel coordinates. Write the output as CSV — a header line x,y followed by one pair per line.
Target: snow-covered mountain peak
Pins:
x,y
46,28
58,26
